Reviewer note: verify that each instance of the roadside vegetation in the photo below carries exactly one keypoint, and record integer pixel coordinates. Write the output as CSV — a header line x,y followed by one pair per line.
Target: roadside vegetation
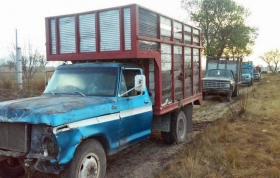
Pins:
x,y
33,74
223,24
247,147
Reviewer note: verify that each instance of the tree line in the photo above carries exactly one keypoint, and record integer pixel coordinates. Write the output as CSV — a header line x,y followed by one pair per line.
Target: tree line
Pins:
x,y
225,33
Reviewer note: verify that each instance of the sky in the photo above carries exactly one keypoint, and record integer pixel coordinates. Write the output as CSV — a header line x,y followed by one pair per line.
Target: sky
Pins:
x,y
28,17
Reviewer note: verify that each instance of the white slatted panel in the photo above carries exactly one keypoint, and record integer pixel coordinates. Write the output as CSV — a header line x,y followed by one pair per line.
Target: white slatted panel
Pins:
x,y
187,34
87,33
188,57
127,28
109,30
165,57
67,35
148,22
178,30
53,36
165,26
177,49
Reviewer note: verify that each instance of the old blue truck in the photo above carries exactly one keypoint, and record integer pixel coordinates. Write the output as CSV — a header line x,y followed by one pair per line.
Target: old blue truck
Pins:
x,y
223,76
129,70
248,68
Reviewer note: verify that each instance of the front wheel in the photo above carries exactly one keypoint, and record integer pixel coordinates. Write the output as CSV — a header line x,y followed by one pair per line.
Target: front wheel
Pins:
x,y
10,168
229,94
89,161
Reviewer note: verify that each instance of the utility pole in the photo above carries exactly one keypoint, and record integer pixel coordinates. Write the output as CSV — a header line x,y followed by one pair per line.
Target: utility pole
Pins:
x,y
18,64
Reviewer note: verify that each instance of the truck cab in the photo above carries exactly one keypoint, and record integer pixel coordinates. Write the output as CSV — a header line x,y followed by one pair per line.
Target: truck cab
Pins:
x,y
107,102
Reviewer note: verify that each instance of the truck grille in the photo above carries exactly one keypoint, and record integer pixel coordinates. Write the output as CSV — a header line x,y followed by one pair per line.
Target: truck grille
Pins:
x,y
15,137
214,84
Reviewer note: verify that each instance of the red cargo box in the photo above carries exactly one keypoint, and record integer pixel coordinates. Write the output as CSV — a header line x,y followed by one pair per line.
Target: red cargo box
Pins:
x,y
168,50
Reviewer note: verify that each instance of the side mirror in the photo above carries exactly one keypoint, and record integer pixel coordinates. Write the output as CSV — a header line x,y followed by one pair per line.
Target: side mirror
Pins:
x,y
140,83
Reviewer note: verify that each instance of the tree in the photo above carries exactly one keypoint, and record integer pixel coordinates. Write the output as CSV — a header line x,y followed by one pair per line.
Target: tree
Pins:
x,y
32,62
9,64
272,58
223,26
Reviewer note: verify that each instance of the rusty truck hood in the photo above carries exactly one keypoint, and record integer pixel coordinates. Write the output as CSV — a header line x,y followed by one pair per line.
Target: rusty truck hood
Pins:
x,y
54,110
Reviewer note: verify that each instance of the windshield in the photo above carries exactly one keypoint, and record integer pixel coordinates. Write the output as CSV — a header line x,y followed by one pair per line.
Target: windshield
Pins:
x,y
84,81
245,71
256,71
218,73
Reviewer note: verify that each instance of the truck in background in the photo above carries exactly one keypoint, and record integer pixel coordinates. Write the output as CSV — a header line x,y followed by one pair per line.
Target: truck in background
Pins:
x,y
132,70
264,70
248,66
246,77
227,77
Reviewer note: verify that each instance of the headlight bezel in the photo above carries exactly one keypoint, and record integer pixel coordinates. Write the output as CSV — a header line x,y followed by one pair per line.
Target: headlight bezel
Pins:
x,y
43,141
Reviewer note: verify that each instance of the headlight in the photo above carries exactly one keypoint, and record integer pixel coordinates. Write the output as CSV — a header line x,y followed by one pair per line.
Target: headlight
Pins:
x,y
43,141
227,85
50,147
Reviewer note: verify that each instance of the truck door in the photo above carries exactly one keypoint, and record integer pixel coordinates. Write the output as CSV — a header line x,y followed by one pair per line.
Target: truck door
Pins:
x,y
135,110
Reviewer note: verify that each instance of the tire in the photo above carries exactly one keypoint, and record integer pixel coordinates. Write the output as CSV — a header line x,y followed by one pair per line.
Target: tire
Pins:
x,y
11,168
229,94
236,91
178,129
165,136
89,161
203,96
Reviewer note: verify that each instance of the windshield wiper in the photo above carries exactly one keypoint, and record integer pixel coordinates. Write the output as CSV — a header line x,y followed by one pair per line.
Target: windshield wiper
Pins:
x,y
50,92
80,93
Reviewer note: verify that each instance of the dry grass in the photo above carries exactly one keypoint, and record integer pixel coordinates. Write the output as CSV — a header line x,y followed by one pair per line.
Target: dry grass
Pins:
x,y
9,88
248,147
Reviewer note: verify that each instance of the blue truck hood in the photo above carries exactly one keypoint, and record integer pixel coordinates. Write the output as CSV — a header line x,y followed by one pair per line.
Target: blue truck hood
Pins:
x,y
54,110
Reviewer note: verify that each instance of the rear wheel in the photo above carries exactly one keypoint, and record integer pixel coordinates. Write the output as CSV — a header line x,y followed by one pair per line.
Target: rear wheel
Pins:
x,y
203,95
89,161
229,94
11,168
178,129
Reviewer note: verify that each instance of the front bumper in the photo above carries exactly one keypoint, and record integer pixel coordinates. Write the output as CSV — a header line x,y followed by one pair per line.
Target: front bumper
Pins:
x,y
215,90
246,81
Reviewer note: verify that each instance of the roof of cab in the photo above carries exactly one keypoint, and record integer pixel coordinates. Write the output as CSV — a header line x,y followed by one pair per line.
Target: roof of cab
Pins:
x,y
96,64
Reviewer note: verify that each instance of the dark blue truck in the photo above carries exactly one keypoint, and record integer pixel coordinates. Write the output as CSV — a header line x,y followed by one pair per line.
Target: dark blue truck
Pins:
x,y
132,71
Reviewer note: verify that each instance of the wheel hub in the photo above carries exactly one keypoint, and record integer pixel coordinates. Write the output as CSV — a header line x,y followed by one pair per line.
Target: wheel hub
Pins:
x,y
89,167
182,128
